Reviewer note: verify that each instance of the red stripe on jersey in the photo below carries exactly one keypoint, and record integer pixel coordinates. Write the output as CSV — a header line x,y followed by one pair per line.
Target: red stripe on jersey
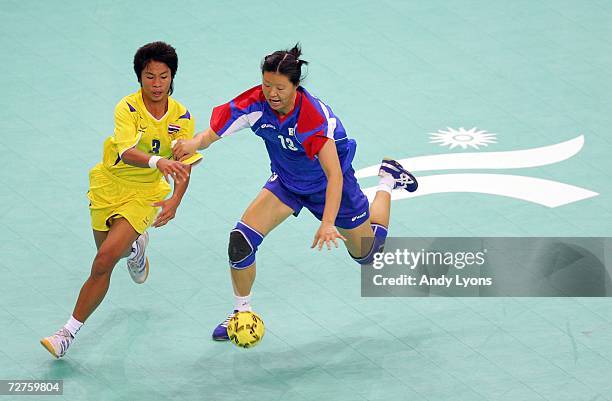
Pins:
x,y
310,117
253,95
313,144
220,116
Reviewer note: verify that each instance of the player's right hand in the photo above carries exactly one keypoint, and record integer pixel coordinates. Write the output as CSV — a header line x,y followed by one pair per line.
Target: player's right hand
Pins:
x,y
326,234
171,168
184,148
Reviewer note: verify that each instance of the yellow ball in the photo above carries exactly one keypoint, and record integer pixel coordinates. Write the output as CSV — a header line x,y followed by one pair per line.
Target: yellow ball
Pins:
x,y
245,329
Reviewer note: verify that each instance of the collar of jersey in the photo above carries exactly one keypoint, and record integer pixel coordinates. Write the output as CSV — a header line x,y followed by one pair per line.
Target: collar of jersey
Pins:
x,y
296,106
141,104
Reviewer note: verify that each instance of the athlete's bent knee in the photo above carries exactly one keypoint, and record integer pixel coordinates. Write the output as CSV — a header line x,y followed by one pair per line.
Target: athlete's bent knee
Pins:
x,y
243,243
378,245
103,264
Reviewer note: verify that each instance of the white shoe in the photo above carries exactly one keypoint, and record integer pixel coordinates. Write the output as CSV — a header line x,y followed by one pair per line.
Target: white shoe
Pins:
x,y
58,343
138,265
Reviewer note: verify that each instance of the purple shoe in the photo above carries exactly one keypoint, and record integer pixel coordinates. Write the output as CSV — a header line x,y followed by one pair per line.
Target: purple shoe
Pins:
x,y
220,332
403,178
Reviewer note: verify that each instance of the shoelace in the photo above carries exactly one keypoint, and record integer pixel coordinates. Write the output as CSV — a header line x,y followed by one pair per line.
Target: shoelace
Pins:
x,y
226,321
137,268
64,339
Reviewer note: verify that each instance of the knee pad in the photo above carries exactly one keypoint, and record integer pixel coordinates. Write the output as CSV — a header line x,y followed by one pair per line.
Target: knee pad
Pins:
x,y
243,245
380,235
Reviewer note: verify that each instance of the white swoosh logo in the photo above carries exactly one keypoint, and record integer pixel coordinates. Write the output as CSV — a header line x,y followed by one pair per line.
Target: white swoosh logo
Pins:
x,y
488,160
537,190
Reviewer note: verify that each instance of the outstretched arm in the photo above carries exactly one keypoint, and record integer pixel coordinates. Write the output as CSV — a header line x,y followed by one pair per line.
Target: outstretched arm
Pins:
x,y
328,157
200,141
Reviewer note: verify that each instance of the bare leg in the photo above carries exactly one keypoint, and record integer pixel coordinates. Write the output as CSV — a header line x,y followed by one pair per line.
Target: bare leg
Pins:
x,y
263,214
100,236
380,211
118,240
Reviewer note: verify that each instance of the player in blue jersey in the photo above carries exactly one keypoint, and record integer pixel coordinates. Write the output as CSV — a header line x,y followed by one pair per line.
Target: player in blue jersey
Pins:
x,y
310,157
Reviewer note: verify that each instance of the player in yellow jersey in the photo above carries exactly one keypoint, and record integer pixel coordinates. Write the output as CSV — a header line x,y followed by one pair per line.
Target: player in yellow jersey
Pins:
x,y
128,188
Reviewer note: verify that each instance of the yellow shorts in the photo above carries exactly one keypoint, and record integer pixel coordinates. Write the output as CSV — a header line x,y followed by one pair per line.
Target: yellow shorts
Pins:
x,y
111,197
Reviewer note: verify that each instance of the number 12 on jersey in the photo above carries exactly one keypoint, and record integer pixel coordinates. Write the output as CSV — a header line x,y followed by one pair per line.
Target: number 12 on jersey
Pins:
x,y
287,143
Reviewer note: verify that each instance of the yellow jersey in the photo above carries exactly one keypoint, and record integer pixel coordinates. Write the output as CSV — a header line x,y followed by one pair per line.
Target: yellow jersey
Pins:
x,y
136,128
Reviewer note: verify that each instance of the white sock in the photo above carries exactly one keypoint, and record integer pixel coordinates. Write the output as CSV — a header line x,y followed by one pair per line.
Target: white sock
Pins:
x,y
242,303
73,326
386,183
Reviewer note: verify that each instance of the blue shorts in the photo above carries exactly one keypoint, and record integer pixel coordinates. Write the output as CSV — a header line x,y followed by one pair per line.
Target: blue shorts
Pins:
x,y
354,206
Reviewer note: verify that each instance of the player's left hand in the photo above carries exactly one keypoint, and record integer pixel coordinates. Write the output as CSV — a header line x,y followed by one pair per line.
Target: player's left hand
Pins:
x,y
167,213
184,148
326,234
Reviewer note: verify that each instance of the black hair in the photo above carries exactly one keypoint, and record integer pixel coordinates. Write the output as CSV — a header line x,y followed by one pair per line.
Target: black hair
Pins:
x,y
286,62
156,51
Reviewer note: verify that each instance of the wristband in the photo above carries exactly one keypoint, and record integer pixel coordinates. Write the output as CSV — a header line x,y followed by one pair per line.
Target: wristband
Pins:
x,y
153,161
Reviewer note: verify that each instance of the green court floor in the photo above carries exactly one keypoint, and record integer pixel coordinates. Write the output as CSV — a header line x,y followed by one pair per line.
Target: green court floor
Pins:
x,y
534,73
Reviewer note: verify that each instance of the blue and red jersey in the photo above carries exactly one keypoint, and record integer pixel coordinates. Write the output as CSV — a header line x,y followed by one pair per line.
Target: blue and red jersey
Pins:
x,y
292,140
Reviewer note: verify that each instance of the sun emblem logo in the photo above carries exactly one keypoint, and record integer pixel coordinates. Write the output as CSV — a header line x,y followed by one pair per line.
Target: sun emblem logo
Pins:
x,y
453,138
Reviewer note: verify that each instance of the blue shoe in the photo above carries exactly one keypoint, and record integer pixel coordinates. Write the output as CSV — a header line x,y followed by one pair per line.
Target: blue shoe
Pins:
x,y
403,178
220,332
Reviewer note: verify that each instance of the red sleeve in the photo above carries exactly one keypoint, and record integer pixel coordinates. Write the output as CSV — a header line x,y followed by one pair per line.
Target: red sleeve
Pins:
x,y
233,115
220,116
311,123
313,145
